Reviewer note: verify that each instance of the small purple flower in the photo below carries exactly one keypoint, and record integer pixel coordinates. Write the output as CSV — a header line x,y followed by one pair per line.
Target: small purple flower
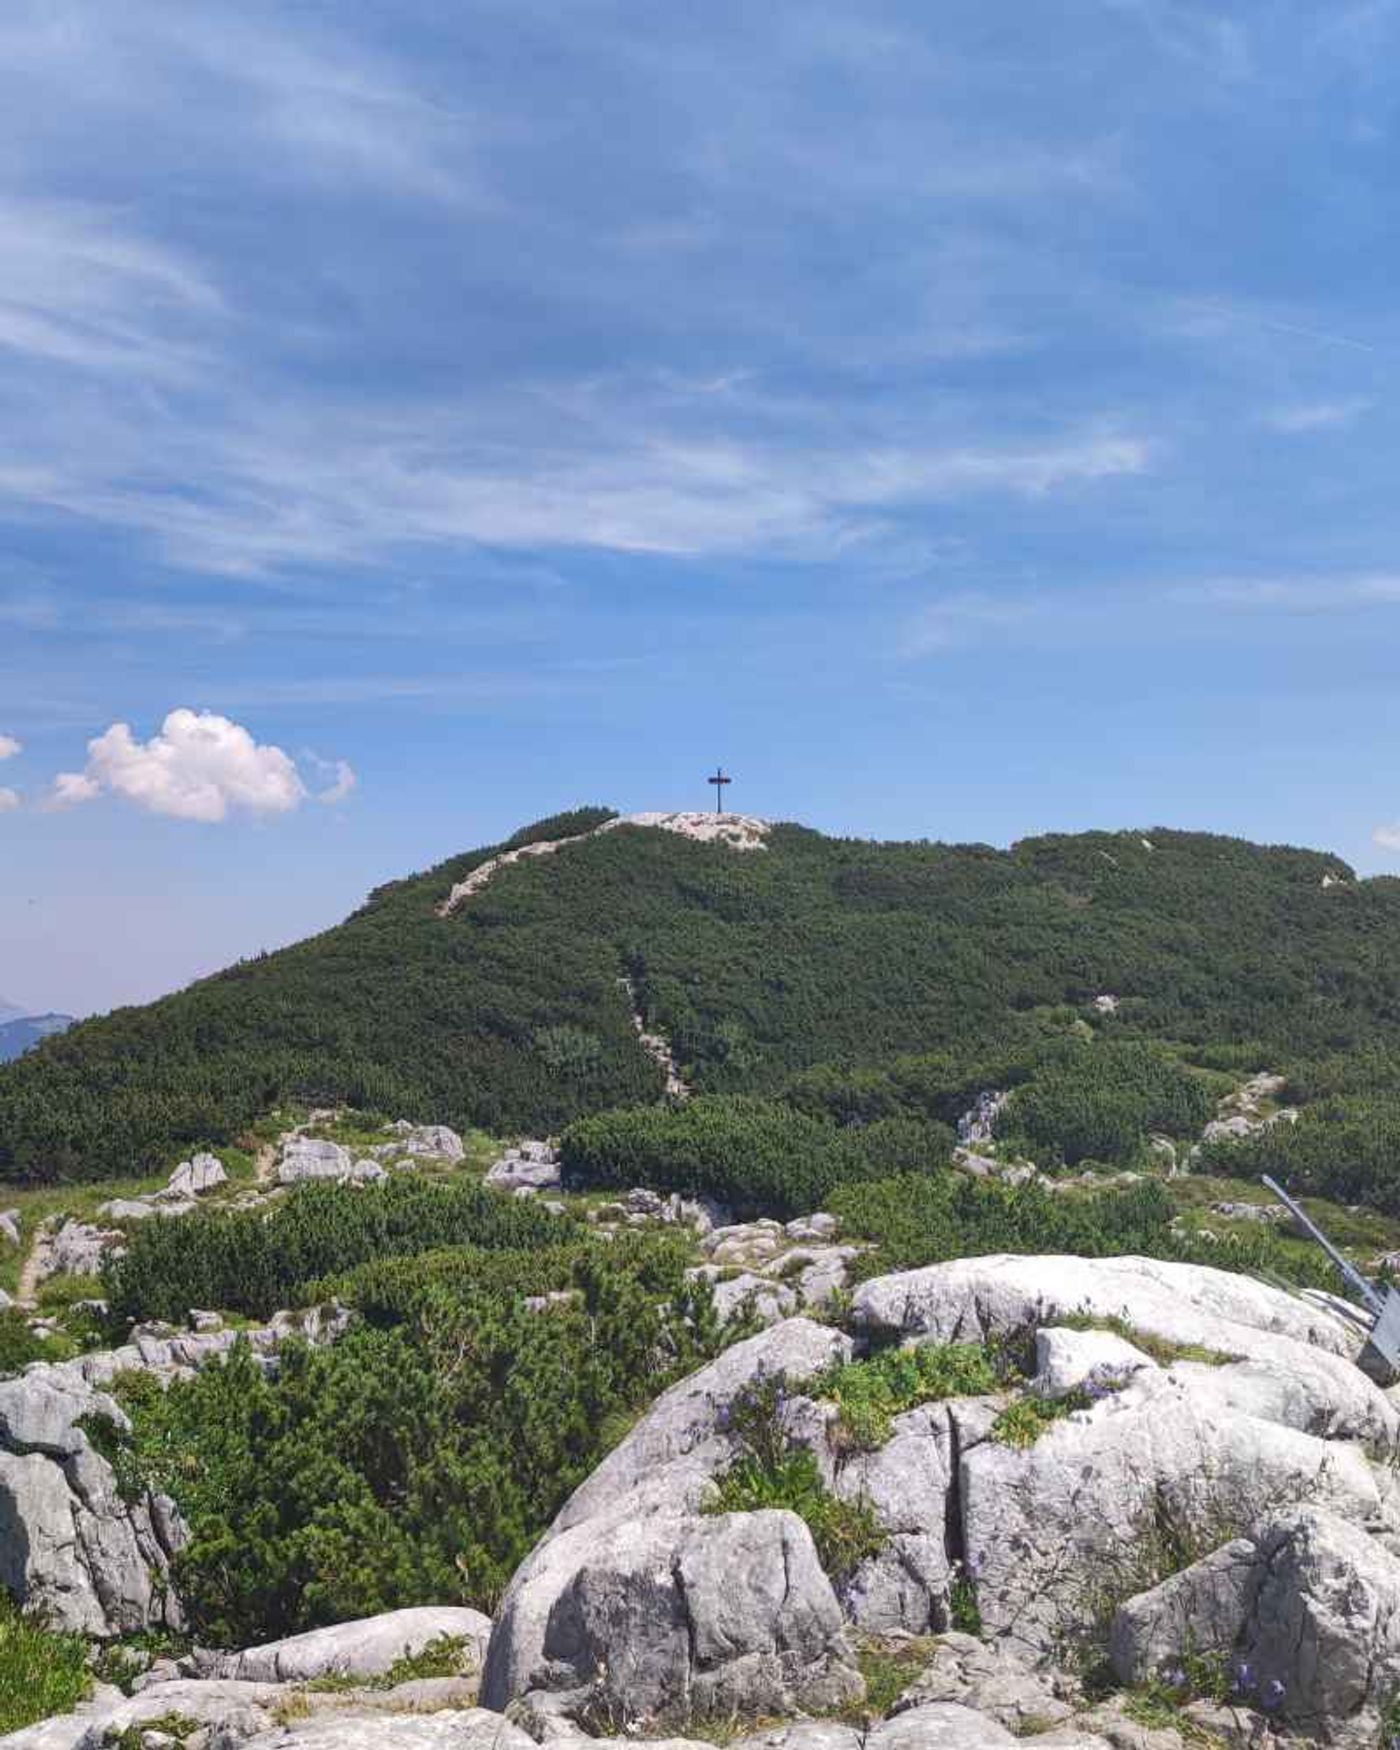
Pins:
x,y
1272,1694
975,1564
1244,1677
1176,1678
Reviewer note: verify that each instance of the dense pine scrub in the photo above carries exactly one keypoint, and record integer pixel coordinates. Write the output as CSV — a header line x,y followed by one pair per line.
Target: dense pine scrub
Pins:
x,y
247,1261
757,1157
921,1220
419,1458
511,1015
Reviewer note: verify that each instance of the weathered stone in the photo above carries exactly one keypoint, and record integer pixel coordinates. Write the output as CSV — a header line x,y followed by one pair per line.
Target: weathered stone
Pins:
x,y
1066,1360
1308,1606
815,1229
69,1544
367,1648
530,1166
990,1680
75,1249
1082,1514
666,1616
939,1725
311,1157
804,1735
472,1729
192,1178
748,1295
435,1141
904,1588
636,1604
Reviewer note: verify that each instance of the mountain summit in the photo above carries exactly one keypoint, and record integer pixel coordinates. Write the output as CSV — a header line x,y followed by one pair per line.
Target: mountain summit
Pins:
x,y
515,987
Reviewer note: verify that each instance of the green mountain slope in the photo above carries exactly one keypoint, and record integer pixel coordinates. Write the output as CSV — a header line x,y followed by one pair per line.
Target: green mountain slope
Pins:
x,y
512,1013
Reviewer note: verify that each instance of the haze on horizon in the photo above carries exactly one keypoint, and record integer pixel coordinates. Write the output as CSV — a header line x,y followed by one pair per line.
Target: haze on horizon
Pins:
x,y
962,425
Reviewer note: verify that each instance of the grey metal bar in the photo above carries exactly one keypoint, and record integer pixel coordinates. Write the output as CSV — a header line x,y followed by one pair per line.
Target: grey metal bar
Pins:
x,y
1367,1292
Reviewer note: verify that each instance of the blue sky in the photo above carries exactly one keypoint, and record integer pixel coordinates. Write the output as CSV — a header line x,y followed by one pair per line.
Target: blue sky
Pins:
x,y
964,421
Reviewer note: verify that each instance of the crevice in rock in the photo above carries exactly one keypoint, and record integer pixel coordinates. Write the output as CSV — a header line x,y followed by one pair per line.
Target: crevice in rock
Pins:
x,y
954,1536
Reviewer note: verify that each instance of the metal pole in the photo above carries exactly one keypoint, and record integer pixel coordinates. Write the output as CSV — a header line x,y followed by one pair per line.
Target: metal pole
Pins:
x,y
1348,1269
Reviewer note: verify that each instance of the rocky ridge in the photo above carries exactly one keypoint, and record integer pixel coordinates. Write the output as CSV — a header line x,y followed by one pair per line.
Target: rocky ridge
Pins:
x,y
1207,1476
738,832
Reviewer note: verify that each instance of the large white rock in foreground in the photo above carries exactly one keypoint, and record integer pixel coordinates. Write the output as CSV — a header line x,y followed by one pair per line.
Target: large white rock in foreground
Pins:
x,y
636,1606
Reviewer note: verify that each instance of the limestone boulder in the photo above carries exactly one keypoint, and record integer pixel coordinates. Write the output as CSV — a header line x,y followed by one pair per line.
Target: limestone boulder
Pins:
x,y
365,1649
76,1248
1306,1608
670,1615
311,1157
638,1605
194,1177
904,1589
435,1141
467,1729
684,1432
1106,1497
70,1546
529,1166
1067,1361
990,1680
970,1299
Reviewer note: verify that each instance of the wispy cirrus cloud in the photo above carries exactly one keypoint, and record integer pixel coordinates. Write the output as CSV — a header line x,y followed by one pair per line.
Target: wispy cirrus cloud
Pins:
x,y
1309,416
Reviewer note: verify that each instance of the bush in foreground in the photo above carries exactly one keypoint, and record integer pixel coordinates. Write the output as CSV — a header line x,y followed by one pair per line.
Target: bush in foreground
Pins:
x,y
40,1673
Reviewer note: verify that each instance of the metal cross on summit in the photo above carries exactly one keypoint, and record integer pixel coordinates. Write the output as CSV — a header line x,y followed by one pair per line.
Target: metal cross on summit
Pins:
x,y
719,781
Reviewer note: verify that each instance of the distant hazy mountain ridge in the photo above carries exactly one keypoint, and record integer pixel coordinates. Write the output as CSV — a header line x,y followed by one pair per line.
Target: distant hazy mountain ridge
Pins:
x,y
19,1031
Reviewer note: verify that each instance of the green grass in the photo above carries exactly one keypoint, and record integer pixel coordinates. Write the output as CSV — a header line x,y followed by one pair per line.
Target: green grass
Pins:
x,y
1023,1422
889,1667
845,1532
40,1673
869,1394
173,1725
1161,1349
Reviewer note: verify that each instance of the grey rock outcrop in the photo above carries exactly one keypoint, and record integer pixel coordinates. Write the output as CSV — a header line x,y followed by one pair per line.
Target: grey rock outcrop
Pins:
x,y
70,1546
1307,1607
938,1725
311,1157
435,1141
970,1299
638,1606
367,1648
77,1248
674,1614
990,1680
247,1714
194,1177
532,1166
472,1729
237,1712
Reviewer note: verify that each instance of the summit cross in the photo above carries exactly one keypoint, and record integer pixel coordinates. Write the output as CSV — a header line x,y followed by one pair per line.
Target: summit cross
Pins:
x,y
719,781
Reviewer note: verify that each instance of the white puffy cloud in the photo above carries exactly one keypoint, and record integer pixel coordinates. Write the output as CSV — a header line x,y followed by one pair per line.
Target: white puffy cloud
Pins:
x,y
198,767
1387,837
8,799
9,747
